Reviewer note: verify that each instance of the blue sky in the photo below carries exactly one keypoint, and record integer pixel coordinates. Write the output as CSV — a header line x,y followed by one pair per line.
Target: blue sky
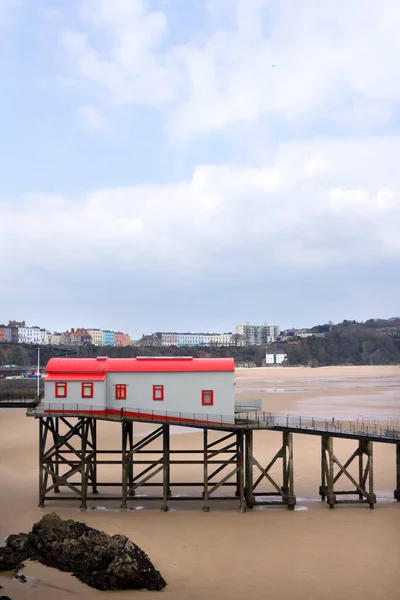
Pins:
x,y
192,164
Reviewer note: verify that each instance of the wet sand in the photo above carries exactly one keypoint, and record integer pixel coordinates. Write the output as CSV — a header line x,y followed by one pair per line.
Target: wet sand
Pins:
x,y
311,553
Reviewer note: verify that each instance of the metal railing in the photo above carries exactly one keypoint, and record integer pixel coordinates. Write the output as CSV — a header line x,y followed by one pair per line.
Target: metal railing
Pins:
x,y
174,417
388,428
19,399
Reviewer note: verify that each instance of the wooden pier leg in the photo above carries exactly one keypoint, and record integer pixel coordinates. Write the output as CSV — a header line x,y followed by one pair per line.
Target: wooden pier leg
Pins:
x,y
323,489
93,467
288,470
240,472
370,474
42,445
249,492
85,426
56,435
166,468
130,457
124,466
361,449
397,490
237,491
331,498
206,507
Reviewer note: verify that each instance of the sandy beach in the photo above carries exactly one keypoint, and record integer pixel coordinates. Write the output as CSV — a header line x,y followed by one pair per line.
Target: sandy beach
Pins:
x,y
311,553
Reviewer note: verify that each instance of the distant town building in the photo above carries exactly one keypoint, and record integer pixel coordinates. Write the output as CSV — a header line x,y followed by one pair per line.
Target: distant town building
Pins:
x,y
55,339
12,331
121,339
75,337
288,334
173,338
108,338
275,357
31,335
168,339
3,334
257,335
97,336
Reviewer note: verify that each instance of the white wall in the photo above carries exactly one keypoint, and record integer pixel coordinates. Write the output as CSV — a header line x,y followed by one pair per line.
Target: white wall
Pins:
x,y
182,392
74,396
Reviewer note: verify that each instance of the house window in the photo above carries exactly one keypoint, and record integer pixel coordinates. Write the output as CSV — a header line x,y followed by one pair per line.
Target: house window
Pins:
x,y
207,397
61,390
158,392
87,390
120,391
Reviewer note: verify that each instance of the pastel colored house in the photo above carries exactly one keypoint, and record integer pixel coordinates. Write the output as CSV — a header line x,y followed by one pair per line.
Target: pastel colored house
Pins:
x,y
108,338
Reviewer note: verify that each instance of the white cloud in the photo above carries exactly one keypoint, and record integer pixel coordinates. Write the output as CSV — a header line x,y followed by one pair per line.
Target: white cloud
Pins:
x,y
332,63
129,69
91,118
275,218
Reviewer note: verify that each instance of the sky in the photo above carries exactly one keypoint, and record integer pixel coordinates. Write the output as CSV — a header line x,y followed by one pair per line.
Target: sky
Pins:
x,y
188,165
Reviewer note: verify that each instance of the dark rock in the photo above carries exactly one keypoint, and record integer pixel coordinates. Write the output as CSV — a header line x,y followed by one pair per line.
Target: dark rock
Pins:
x,y
94,557
9,560
18,543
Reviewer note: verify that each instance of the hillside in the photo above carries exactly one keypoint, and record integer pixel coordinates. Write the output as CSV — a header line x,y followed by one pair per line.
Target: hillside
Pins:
x,y
374,342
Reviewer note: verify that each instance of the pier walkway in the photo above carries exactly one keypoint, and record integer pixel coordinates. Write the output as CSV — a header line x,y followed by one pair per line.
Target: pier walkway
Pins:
x,y
70,454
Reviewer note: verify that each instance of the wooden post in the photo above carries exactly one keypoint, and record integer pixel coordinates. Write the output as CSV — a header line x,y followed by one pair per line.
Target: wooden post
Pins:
x,y
124,467
370,475
249,469
331,498
206,507
397,490
85,423
166,468
42,444
291,498
323,490
240,472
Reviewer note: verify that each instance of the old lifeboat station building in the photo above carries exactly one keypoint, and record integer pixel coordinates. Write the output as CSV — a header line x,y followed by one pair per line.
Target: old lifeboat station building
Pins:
x,y
171,388
81,393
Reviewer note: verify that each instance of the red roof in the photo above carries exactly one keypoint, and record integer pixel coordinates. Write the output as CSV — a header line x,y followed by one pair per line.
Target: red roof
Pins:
x,y
138,365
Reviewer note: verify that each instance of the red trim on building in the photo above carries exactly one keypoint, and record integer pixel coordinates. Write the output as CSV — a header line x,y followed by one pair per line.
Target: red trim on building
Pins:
x,y
58,366
60,389
120,391
76,377
207,397
87,389
158,392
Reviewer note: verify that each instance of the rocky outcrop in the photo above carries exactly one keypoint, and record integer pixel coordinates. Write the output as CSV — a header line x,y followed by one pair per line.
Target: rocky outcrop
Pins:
x,y
102,561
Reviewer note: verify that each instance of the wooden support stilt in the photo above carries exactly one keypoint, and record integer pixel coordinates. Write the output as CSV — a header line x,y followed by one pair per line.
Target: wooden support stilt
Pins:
x,y
63,455
285,490
206,507
363,488
166,468
249,491
397,490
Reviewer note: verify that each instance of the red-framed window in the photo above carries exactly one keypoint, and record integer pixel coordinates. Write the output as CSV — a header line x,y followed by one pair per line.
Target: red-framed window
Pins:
x,y
120,391
87,390
207,397
158,392
61,389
